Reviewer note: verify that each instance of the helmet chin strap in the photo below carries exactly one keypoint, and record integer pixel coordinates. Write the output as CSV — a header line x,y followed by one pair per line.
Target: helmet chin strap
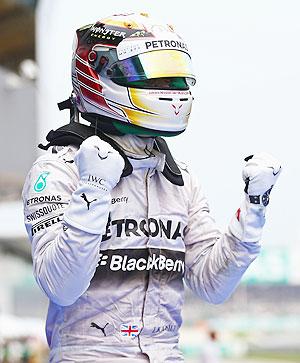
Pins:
x,y
70,104
96,126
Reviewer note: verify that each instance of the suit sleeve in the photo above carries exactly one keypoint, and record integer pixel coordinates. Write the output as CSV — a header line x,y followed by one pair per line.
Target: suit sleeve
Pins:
x,y
215,261
65,255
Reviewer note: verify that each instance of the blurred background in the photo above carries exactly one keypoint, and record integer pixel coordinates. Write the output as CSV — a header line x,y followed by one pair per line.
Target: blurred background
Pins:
x,y
246,57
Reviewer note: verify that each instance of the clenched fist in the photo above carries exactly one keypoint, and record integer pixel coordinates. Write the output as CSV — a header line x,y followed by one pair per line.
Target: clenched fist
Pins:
x,y
99,164
260,174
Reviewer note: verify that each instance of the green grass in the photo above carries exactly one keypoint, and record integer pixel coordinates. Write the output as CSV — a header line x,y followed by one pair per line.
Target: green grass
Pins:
x,y
277,357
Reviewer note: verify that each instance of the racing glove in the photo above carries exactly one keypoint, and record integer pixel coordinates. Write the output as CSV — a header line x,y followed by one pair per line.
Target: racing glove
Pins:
x,y
260,175
100,167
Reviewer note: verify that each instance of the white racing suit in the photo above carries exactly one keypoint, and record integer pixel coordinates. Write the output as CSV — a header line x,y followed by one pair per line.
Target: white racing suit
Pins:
x,y
116,294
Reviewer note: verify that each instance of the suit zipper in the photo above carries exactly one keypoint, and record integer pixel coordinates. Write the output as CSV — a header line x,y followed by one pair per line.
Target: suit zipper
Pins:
x,y
148,272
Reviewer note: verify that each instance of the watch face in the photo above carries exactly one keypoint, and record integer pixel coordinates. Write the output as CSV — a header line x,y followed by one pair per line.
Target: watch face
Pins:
x,y
254,199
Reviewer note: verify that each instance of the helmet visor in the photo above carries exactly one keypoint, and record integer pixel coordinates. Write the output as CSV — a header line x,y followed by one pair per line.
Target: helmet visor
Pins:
x,y
156,64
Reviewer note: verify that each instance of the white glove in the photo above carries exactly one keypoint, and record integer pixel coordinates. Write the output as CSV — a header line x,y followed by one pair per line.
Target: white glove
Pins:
x,y
99,164
260,174
100,167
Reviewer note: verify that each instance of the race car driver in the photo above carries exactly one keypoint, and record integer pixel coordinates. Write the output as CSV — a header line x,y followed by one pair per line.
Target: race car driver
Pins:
x,y
116,225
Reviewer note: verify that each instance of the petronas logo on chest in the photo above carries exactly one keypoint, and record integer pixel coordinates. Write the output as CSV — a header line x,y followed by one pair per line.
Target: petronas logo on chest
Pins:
x,y
41,183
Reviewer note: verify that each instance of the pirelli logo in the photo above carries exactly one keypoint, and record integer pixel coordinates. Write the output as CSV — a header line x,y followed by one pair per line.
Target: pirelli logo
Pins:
x,y
46,223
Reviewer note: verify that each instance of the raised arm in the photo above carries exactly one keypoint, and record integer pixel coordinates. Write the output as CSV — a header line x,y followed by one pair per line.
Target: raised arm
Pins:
x,y
216,262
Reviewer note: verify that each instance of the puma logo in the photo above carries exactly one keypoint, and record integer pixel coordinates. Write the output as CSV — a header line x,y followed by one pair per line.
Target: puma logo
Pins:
x,y
277,171
68,161
94,325
104,157
88,203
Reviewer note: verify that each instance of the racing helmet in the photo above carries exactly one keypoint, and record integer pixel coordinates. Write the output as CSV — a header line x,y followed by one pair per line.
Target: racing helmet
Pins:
x,y
132,75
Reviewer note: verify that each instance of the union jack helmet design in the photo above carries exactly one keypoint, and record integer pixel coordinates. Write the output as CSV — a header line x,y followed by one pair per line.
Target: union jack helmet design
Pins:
x,y
133,74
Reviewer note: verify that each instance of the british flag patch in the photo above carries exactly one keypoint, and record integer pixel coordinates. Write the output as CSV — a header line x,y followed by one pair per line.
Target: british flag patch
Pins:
x,y
128,330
